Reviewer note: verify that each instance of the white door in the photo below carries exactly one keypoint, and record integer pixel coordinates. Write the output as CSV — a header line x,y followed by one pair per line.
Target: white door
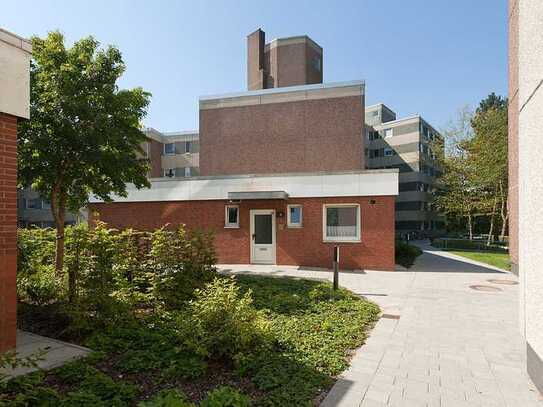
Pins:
x,y
262,236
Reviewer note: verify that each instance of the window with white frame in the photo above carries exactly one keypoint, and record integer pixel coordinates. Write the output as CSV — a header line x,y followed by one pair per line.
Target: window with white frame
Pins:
x,y
388,152
188,147
169,148
389,133
341,223
187,171
231,216
294,216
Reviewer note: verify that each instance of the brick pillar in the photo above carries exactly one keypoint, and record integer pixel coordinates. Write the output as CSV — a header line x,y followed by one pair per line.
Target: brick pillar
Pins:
x,y
8,230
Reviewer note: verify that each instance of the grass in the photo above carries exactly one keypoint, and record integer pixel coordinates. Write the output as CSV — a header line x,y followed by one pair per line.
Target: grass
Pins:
x,y
500,260
314,329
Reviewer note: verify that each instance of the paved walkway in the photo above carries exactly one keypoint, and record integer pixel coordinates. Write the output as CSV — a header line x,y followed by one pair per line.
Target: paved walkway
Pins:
x,y
451,346
56,352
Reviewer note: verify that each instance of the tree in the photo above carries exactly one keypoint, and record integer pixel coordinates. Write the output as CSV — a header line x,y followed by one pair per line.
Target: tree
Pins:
x,y
488,152
458,193
84,135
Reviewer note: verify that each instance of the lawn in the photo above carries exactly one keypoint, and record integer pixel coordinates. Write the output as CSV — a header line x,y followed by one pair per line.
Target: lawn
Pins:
x,y
500,260
145,362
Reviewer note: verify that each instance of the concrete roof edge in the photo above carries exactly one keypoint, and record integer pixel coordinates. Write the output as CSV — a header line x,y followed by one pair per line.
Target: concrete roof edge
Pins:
x,y
15,40
286,89
288,174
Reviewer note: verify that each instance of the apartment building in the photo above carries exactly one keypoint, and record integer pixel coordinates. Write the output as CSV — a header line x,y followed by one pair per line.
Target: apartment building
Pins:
x,y
174,154
406,144
282,177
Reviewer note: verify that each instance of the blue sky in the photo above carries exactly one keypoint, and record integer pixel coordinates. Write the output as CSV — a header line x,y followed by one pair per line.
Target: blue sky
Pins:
x,y
417,56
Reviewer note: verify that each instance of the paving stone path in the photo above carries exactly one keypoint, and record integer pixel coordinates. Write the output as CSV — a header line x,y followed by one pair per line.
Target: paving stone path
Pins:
x,y
439,343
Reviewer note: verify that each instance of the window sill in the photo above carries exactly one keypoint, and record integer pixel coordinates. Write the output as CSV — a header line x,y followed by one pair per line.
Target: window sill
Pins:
x,y
342,241
231,226
295,226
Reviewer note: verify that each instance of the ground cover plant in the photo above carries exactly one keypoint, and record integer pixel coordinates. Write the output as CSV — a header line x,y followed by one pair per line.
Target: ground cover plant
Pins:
x,y
193,337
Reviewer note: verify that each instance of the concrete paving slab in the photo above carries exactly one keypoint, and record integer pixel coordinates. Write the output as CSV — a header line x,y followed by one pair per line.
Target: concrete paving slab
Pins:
x,y
56,352
467,342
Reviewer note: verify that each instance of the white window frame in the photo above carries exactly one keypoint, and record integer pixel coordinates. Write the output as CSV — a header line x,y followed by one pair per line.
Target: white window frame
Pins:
x,y
164,150
289,222
228,224
390,150
188,146
345,239
389,132
187,172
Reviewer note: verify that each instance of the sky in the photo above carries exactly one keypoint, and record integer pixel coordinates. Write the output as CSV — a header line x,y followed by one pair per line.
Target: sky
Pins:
x,y
427,57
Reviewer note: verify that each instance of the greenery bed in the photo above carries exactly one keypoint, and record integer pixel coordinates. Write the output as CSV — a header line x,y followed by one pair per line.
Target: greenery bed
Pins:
x,y
234,341
500,260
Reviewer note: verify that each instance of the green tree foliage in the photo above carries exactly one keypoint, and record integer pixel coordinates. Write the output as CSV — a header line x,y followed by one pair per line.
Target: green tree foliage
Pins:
x,y
84,134
474,162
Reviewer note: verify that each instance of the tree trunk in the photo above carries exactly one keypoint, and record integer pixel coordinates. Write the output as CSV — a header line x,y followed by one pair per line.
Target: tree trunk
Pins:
x,y
470,227
58,208
503,213
491,229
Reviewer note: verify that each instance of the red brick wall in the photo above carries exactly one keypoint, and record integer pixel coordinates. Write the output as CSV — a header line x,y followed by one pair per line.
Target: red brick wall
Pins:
x,y
295,246
302,136
155,156
8,230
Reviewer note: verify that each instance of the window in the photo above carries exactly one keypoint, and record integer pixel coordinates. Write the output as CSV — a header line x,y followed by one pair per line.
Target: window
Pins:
x,y
169,172
187,172
375,113
33,203
388,152
169,148
317,63
45,204
188,147
341,223
294,216
389,133
231,216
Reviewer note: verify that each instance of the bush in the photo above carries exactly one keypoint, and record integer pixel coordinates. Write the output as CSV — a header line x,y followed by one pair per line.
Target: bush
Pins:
x,y
406,253
181,264
41,287
222,323
225,396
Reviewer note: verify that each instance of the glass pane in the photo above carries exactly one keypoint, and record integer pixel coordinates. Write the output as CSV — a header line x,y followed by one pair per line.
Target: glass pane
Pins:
x,y
263,229
341,222
295,212
169,148
232,215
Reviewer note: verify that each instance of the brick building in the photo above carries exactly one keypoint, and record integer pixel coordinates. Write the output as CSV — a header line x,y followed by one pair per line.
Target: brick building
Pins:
x,y
276,172
14,106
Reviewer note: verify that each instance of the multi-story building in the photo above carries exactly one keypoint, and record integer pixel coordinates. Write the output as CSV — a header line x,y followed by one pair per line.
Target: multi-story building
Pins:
x,y
406,144
282,177
34,211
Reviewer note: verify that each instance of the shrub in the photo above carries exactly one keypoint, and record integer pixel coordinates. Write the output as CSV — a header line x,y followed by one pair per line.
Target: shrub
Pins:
x,y
168,398
221,322
465,244
35,248
181,264
225,396
41,287
406,253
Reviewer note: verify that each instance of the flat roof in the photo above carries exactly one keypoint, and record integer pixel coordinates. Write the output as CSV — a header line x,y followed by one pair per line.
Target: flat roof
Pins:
x,y
286,89
276,186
